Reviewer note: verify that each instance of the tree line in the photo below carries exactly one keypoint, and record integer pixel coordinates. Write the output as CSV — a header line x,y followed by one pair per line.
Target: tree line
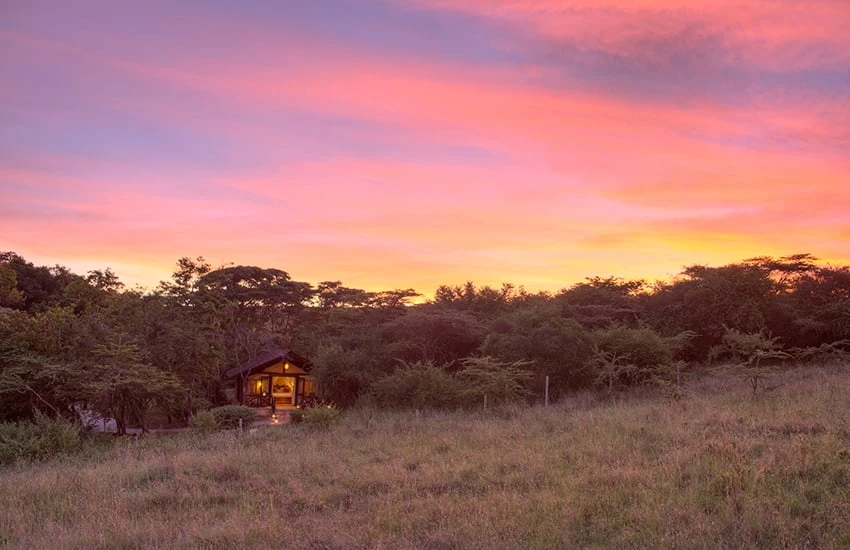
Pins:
x,y
70,342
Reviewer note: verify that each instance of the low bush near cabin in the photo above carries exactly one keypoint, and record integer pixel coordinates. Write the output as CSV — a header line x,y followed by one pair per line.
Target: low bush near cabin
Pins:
x,y
228,416
296,416
321,416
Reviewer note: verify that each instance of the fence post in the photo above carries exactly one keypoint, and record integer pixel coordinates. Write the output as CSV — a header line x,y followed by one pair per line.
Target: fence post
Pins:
x,y
485,401
240,425
546,393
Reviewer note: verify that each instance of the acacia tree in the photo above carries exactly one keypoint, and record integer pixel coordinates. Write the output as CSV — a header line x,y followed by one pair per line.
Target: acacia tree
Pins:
x,y
253,307
393,300
183,286
708,300
332,294
22,391
485,302
43,370
598,301
499,382
120,386
756,356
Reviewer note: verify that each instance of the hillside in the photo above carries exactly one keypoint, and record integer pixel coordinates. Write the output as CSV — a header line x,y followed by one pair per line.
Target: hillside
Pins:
x,y
716,468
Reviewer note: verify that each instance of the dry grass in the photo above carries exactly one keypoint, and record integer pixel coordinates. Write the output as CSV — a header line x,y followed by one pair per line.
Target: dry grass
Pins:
x,y
713,470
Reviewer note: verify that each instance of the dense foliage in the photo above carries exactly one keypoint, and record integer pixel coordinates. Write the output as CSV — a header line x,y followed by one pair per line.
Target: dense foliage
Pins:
x,y
82,346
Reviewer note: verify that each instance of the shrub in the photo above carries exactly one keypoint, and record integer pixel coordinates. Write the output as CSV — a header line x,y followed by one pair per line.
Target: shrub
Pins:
x,y
39,439
228,416
296,416
737,346
420,385
501,382
633,356
756,353
205,421
321,416
835,352
643,346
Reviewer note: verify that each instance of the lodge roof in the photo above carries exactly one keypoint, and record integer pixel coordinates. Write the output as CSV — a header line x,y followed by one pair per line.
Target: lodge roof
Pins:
x,y
268,359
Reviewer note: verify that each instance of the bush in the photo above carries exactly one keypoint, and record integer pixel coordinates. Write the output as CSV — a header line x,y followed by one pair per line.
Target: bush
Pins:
x,y
737,346
633,356
755,354
501,382
228,416
420,386
825,354
205,421
321,416
642,346
296,416
39,439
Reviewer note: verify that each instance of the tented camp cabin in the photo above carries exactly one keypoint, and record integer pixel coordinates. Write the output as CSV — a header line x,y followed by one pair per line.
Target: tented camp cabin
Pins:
x,y
277,379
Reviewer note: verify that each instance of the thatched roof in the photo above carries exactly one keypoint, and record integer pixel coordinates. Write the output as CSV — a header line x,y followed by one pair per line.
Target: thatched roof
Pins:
x,y
265,360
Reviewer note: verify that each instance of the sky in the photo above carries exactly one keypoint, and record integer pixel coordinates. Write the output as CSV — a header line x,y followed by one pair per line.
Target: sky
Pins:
x,y
414,143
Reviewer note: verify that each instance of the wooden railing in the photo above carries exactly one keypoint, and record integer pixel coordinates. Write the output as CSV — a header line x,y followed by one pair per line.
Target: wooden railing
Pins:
x,y
256,400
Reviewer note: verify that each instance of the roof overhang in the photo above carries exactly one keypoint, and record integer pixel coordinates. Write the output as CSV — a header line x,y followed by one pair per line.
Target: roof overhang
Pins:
x,y
265,360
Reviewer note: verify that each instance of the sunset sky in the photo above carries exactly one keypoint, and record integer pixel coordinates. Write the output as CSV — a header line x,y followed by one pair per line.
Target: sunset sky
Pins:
x,y
413,143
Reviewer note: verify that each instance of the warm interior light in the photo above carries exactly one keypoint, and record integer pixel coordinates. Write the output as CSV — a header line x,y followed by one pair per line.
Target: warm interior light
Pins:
x,y
285,366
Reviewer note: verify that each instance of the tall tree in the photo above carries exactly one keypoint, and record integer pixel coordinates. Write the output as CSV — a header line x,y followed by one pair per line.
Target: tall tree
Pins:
x,y
709,300
119,385
254,306
598,301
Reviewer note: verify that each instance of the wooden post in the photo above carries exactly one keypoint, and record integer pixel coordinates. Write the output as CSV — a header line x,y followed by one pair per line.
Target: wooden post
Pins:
x,y
240,425
546,393
485,401
271,394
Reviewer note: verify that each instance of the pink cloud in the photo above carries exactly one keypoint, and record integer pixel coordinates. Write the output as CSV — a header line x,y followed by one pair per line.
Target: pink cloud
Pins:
x,y
772,34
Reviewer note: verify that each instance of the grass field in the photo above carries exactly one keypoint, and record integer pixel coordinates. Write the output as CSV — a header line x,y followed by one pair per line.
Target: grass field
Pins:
x,y
715,469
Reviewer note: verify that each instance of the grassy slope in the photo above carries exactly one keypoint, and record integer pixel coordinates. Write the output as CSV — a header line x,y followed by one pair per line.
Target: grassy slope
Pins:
x,y
716,469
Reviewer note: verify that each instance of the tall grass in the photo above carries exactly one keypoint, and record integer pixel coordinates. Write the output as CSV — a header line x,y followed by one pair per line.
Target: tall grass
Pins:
x,y
717,469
